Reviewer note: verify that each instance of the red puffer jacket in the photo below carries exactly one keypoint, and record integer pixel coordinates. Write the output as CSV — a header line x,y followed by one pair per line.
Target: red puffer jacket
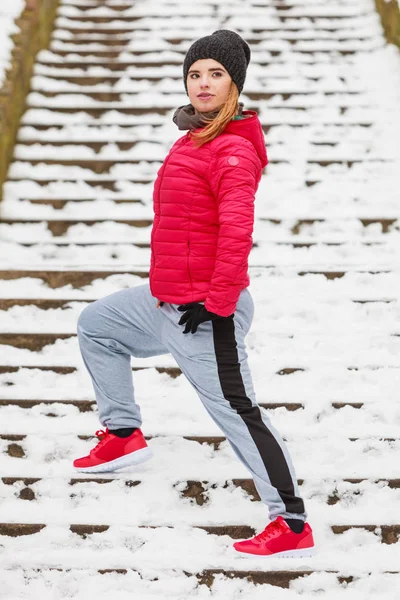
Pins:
x,y
204,217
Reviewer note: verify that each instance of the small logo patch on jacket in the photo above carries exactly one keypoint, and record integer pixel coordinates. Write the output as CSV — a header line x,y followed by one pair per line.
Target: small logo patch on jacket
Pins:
x,y
233,161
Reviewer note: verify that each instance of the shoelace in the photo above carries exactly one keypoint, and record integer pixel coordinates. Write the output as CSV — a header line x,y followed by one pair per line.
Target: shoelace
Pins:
x,y
268,531
102,436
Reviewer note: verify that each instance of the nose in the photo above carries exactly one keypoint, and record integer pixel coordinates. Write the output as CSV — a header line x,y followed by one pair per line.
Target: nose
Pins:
x,y
204,81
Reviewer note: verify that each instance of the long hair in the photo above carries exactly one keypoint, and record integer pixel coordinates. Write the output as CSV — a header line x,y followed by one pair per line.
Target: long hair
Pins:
x,y
216,126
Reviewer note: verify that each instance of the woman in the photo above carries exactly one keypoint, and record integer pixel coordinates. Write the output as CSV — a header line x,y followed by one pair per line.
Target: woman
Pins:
x,y
200,243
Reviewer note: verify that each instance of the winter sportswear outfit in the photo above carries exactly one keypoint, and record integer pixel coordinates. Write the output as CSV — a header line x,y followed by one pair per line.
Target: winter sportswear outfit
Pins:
x,y
200,242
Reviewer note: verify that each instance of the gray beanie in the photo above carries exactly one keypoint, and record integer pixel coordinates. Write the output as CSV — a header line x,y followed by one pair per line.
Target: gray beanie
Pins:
x,y
227,48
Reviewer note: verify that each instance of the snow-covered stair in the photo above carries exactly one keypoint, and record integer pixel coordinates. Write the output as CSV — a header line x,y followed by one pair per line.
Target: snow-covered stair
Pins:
x,y
325,343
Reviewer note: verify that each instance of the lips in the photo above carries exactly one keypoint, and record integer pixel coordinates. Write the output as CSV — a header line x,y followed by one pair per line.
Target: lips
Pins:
x,y
205,96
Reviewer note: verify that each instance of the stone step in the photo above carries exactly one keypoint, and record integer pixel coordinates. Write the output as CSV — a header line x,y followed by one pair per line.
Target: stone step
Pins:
x,y
61,447
65,7
88,7
42,303
175,372
37,341
35,322
16,451
164,27
105,184
193,487
59,203
38,126
118,30
336,492
110,5
312,17
389,534
155,76
77,279
275,59
111,96
112,66
47,303
58,38
14,444
167,102
278,578
91,406
67,139
137,41
62,20
59,227
54,279
30,323
115,245
33,342
103,166
98,111
122,145
96,146
169,30
50,86
207,577
114,54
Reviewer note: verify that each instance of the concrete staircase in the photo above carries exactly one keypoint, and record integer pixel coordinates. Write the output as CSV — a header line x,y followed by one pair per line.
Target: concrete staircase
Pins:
x,y
324,346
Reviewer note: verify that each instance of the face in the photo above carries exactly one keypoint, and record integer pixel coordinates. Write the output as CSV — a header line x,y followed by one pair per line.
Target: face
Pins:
x,y
208,84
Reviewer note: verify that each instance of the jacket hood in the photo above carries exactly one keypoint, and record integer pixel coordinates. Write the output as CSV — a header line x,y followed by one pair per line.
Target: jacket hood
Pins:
x,y
250,129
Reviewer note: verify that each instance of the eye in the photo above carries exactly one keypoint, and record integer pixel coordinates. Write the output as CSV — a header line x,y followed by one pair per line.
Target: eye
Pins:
x,y
193,75
218,73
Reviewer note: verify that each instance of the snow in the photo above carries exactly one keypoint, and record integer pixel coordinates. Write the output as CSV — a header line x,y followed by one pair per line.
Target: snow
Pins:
x,y
9,11
176,587
342,334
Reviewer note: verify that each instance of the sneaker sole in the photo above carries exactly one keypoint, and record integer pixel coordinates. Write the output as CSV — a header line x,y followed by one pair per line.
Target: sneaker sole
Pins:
x,y
134,458
301,553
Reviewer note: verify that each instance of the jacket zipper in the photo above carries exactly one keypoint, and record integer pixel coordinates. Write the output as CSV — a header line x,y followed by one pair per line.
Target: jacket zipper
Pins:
x,y
188,265
159,202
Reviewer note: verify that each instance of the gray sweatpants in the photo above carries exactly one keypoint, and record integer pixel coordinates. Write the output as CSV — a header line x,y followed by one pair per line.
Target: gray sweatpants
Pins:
x,y
214,359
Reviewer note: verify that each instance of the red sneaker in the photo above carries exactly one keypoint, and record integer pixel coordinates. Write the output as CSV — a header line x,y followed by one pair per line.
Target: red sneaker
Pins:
x,y
279,540
113,453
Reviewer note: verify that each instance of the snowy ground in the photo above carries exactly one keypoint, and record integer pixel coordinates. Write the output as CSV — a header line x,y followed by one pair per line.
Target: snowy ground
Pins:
x,y
324,277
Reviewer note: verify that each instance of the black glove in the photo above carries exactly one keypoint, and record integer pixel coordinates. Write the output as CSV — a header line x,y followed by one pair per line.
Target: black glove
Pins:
x,y
195,314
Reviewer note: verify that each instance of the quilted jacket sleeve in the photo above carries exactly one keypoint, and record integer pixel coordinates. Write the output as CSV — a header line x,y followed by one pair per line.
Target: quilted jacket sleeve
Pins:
x,y
234,174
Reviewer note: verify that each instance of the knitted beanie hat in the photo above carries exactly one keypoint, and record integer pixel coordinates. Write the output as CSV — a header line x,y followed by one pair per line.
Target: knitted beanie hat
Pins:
x,y
227,48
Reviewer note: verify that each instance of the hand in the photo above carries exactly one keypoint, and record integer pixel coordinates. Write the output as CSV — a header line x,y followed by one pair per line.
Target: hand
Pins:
x,y
194,314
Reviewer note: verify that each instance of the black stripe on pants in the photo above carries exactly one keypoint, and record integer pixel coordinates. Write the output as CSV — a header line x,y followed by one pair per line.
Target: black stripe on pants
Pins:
x,y
234,392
